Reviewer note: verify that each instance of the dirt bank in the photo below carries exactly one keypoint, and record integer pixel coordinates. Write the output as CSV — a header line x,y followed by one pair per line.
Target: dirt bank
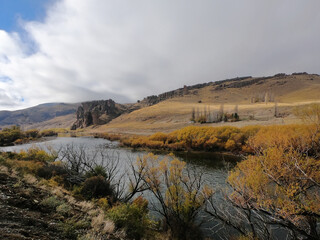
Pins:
x,y
21,214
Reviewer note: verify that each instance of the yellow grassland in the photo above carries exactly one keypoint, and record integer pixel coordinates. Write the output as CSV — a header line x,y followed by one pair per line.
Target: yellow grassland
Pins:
x,y
289,92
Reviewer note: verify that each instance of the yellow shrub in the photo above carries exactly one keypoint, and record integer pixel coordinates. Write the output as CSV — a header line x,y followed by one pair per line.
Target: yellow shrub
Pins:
x,y
103,203
158,137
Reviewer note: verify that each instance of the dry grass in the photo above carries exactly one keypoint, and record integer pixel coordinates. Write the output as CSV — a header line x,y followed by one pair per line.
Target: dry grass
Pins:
x,y
14,173
172,114
70,199
57,191
100,224
108,227
4,169
94,212
62,122
85,206
28,178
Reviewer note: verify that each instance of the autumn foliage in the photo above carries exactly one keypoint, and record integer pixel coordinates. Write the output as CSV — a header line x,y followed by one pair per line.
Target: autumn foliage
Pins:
x,y
282,179
14,135
197,138
180,192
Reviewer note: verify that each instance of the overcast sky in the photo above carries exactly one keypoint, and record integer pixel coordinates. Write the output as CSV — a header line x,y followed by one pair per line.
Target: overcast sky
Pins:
x,y
125,50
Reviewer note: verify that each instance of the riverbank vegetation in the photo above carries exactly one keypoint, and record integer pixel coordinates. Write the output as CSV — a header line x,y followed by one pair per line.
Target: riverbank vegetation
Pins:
x,y
114,193
193,138
14,135
231,139
224,138
279,185
82,198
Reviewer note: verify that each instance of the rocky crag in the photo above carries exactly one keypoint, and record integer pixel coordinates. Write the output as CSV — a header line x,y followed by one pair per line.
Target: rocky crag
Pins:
x,y
99,112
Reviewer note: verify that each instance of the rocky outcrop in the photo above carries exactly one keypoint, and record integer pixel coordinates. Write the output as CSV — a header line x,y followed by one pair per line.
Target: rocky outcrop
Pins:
x,y
97,113
154,99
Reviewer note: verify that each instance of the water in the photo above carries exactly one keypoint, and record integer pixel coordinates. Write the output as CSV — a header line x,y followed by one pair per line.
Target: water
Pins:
x,y
214,166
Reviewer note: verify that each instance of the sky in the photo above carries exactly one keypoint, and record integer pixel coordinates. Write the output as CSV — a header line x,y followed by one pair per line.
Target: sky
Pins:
x,y
79,50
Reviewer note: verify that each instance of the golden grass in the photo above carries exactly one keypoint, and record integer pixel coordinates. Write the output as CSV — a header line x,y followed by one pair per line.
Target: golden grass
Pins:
x,y
85,206
61,122
4,169
100,224
28,178
172,115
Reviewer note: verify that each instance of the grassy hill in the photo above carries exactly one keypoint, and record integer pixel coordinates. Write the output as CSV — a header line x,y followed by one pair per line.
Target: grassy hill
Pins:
x,y
36,117
255,99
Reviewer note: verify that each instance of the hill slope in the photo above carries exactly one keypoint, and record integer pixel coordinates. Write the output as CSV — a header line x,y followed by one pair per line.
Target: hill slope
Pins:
x,y
38,114
254,98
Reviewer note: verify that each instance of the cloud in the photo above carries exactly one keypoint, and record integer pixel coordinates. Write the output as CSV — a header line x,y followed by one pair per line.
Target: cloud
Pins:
x,y
126,50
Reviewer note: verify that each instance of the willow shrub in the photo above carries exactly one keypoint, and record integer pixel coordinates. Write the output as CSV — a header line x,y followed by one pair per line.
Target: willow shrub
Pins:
x,y
197,138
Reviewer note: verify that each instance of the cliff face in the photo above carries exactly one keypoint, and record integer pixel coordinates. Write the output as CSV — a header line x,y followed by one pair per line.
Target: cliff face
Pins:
x,y
97,113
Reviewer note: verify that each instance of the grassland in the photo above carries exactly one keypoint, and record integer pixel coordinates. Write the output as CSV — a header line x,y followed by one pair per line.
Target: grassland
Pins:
x,y
284,92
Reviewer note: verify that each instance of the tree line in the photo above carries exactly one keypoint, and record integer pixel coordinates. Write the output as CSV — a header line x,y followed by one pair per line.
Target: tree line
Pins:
x,y
208,116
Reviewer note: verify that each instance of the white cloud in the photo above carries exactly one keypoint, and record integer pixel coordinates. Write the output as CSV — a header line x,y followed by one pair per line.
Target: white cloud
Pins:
x,y
125,50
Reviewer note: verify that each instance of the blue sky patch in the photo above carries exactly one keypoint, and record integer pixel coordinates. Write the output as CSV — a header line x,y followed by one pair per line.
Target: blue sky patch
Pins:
x,y
5,79
28,10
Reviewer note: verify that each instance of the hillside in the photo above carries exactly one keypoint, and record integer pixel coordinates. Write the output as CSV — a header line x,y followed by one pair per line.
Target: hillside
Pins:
x,y
32,117
254,98
244,90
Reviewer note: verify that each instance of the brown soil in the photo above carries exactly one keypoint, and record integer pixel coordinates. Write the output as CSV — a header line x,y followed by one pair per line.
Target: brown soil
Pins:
x,y
21,214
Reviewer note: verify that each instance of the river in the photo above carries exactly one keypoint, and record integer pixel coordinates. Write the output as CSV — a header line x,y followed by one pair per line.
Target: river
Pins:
x,y
213,165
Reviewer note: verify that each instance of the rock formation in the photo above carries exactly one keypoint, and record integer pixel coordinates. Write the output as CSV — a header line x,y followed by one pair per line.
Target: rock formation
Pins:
x,y
97,113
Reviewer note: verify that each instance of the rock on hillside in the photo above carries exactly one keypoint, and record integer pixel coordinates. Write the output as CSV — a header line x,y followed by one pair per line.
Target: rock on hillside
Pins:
x,y
99,112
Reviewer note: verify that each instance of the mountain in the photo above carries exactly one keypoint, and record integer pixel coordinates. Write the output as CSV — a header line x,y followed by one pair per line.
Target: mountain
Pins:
x,y
38,114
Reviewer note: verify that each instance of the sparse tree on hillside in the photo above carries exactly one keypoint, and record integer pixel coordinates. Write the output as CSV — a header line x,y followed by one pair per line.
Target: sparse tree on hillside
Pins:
x,y
236,109
198,113
221,113
266,98
193,115
276,109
